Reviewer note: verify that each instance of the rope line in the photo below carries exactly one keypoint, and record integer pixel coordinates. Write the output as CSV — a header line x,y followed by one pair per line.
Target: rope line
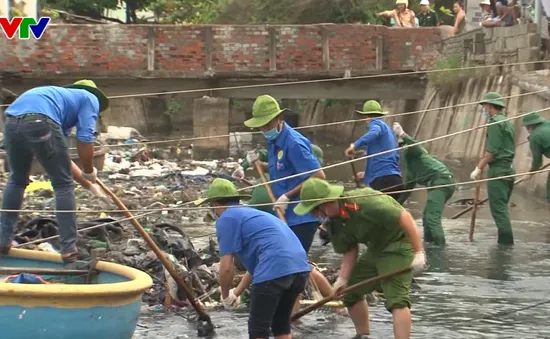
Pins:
x,y
301,82
316,125
395,149
155,210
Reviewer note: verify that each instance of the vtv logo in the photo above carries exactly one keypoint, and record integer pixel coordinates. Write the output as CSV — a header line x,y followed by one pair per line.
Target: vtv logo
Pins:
x,y
25,26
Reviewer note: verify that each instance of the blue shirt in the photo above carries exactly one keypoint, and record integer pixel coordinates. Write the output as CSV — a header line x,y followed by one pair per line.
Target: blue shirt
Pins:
x,y
379,138
291,154
68,107
267,248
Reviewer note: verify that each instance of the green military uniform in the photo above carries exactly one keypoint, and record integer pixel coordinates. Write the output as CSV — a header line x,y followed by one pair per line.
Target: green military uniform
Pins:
x,y
259,194
423,169
539,142
500,143
373,221
427,19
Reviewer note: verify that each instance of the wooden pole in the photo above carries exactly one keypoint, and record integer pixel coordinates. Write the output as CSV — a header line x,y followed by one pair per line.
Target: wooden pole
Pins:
x,y
165,262
40,271
469,208
278,209
352,288
476,198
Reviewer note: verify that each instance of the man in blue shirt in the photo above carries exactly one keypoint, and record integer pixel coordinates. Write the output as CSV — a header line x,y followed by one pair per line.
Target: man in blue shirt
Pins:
x,y
382,172
37,123
275,261
289,153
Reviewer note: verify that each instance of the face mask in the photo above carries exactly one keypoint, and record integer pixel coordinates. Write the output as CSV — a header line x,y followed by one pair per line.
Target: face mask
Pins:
x,y
272,134
486,115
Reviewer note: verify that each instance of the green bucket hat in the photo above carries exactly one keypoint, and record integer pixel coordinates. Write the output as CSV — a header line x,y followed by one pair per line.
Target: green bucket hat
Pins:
x,y
532,118
317,152
372,107
493,98
315,188
221,189
91,87
265,109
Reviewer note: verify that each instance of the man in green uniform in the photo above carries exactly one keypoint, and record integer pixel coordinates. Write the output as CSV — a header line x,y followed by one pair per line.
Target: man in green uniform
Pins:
x,y
539,141
499,155
427,17
365,216
423,169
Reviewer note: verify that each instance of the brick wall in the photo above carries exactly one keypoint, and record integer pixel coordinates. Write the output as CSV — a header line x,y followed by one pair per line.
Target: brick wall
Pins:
x,y
500,45
203,50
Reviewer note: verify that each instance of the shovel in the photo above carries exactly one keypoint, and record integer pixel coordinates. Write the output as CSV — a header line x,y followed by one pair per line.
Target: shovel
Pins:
x,y
205,326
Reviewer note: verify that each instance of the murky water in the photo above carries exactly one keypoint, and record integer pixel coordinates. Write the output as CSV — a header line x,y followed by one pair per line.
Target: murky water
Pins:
x,y
472,289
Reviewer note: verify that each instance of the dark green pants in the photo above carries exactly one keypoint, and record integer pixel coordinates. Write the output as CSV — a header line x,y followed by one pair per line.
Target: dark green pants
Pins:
x,y
499,192
431,218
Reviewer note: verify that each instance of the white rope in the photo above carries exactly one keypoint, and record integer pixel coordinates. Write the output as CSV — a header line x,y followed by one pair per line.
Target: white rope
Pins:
x,y
472,182
301,82
314,125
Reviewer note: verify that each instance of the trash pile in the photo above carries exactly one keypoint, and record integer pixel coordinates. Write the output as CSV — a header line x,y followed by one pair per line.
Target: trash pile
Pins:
x,y
143,177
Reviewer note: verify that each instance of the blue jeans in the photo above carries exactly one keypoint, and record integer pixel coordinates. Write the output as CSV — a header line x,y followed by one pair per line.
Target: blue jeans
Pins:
x,y
36,135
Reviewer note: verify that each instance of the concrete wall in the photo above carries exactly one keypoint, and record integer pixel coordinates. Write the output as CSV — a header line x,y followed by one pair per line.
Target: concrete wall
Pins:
x,y
198,51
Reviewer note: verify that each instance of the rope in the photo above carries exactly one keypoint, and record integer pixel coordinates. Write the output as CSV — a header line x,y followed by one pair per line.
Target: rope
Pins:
x,y
269,204
394,149
301,82
317,125
155,210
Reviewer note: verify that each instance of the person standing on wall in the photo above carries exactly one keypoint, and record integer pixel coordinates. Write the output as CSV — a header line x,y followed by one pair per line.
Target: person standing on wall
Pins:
x,y
364,216
289,153
402,15
427,16
37,123
382,172
460,17
275,261
423,169
499,155
539,142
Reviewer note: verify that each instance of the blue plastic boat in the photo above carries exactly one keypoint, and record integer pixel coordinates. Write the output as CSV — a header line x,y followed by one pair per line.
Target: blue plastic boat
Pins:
x,y
106,307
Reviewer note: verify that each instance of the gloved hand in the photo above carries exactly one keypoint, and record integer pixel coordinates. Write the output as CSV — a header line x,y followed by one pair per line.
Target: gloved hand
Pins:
x,y
251,156
419,263
238,173
232,301
398,130
350,151
282,202
475,174
98,192
91,177
360,175
339,284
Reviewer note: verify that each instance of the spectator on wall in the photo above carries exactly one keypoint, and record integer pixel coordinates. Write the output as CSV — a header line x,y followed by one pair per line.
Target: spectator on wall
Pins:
x,y
427,16
403,16
504,17
460,18
487,11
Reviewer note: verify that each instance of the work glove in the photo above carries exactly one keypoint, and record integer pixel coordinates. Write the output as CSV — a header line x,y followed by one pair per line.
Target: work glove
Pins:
x,y
251,157
419,263
91,177
398,130
282,202
238,173
475,174
350,151
360,175
98,192
339,284
232,301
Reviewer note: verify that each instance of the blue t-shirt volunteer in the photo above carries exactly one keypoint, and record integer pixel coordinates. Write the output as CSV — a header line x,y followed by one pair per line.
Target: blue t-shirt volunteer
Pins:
x,y
68,107
379,138
267,248
288,155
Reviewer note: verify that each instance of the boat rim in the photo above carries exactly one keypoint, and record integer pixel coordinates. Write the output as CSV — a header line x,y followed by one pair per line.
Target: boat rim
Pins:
x,y
138,283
